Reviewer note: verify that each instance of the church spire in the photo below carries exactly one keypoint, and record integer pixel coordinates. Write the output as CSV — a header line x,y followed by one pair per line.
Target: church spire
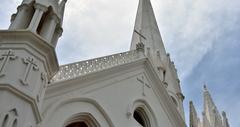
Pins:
x,y
210,110
194,120
42,17
62,9
147,35
146,30
225,120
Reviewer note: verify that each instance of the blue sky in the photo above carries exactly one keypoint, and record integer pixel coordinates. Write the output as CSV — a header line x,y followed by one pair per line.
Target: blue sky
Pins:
x,y
202,37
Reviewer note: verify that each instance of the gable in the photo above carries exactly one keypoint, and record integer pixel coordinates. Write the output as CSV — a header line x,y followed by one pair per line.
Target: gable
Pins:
x,y
116,90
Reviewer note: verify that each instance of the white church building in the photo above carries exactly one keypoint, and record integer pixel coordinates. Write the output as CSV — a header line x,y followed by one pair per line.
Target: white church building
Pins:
x,y
137,88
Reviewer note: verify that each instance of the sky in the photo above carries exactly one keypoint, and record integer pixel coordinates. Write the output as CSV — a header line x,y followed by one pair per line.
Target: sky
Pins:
x,y
202,37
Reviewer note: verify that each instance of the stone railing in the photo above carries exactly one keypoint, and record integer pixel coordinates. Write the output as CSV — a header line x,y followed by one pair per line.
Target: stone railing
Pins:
x,y
73,70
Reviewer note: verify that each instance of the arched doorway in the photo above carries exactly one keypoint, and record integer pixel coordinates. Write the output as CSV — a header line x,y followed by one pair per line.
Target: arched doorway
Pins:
x,y
82,120
78,124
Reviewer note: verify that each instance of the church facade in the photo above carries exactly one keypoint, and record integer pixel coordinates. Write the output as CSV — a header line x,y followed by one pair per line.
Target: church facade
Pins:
x,y
137,88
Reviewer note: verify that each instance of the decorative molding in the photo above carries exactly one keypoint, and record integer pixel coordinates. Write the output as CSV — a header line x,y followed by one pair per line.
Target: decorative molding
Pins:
x,y
74,70
43,86
180,96
40,7
8,55
26,97
31,65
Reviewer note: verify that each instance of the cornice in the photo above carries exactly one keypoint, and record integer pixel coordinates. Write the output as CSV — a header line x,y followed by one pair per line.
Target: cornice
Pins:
x,y
35,41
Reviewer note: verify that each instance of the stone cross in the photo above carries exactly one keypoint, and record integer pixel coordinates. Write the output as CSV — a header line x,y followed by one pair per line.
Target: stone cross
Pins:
x,y
142,81
9,55
31,64
140,35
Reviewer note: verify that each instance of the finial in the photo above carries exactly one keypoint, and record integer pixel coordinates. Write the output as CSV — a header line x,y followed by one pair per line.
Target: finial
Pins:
x,y
191,102
61,9
205,87
224,114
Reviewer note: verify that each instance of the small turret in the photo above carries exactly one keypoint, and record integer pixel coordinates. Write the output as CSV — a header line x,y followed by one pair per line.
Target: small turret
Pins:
x,y
28,60
210,115
225,120
194,120
42,17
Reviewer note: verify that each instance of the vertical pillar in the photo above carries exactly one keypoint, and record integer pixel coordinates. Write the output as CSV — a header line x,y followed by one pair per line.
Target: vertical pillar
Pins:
x,y
21,19
57,34
49,26
39,10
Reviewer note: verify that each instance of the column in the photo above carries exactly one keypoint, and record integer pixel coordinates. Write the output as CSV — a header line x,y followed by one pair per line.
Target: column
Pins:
x,y
57,34
49,26
39,10
22,17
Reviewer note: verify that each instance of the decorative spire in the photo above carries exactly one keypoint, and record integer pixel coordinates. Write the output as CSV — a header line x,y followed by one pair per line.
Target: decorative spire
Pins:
x,y
146,29
194,120
62,9
210,116
225,120
210,109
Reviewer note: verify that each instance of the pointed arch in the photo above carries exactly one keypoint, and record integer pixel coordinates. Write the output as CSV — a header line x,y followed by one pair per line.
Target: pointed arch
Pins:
x,y
5,120
86,106
85,118
142,108
10,119
14,124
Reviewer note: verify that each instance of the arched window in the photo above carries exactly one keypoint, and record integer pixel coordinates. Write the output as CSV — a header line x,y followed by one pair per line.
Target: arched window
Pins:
x,y
5,121
10,119
14,123
141,117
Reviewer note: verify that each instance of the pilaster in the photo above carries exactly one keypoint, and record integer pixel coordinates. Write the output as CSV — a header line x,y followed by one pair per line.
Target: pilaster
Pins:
x,y
39,10
21,19
49,26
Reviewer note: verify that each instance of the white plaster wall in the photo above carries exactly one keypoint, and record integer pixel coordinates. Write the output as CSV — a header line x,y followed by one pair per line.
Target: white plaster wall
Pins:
x,y
115,94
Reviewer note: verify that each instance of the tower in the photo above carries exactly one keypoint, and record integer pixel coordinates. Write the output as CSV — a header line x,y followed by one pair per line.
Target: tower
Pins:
x,y
210,116
28,60
147,36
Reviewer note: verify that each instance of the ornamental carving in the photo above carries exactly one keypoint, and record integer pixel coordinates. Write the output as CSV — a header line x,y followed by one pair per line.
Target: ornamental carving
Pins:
x,y
5,58
31,66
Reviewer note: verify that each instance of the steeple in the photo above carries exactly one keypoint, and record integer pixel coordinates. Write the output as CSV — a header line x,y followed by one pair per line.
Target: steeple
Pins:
x,y
42,17
225,120
146,35
146,31
194,120
210,110
210,116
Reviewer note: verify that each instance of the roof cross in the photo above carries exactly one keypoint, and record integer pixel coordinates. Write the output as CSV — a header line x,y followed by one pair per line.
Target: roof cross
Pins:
x,y
140,35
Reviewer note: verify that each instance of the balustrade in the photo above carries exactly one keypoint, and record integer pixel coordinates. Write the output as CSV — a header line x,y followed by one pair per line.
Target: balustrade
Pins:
x,y
73,70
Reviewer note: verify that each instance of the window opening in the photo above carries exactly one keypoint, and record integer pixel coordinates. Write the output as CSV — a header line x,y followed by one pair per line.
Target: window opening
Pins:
x,y
78,124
